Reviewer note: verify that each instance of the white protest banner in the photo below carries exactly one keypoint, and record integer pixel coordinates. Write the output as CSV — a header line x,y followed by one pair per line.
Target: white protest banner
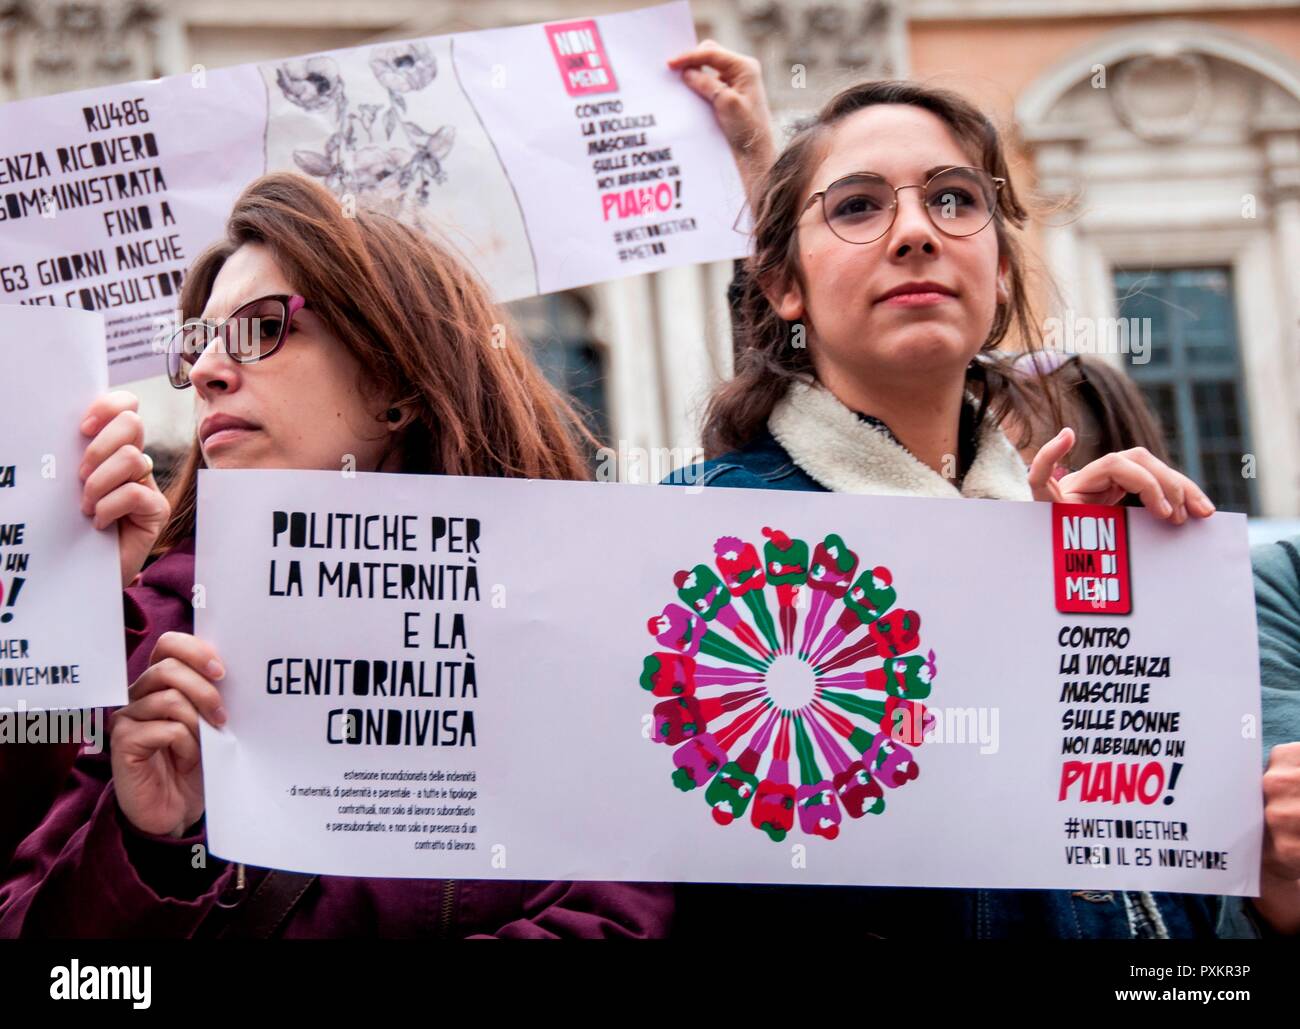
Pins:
x,y
497,678
61,633
551,156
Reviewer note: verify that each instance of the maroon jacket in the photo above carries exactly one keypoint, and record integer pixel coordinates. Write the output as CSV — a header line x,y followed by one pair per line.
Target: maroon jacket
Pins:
x,y
87,872
32,774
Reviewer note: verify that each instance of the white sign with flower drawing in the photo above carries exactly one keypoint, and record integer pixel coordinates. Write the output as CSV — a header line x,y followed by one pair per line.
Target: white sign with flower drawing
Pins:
x,y
550,156
379,126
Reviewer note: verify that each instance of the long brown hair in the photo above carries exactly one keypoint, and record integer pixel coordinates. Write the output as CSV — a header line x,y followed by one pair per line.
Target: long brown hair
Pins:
x,y
1104,405
766,359
422,327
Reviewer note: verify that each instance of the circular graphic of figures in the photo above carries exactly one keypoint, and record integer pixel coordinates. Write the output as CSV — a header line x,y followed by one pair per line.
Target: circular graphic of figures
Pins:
x,y
797,651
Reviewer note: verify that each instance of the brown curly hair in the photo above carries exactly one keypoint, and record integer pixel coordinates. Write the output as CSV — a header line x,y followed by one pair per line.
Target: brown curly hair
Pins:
x,y
765,361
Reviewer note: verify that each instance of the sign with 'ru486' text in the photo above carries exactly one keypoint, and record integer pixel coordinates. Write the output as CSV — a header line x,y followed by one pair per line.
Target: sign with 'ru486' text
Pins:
x,y
549,156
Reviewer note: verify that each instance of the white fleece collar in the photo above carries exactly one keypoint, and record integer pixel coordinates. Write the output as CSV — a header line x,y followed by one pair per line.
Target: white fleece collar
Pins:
x,y
846,455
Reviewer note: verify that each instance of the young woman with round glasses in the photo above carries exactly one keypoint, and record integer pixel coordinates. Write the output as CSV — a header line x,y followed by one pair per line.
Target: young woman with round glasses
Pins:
x,y
887,258
311,339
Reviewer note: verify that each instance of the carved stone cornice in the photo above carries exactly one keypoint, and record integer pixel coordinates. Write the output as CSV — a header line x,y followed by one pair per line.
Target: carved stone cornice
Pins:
x,y
51,46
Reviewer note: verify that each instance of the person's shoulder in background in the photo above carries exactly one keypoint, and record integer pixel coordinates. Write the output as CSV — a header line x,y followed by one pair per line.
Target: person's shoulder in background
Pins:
x,y
1277,607
760,464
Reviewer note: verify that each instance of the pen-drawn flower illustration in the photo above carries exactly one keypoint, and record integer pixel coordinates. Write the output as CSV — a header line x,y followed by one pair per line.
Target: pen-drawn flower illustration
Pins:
x,y
740,689
404,68
376,167
314,84
361,153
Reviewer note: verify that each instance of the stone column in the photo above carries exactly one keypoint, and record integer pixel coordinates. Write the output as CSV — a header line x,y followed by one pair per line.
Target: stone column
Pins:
x,y
1282,157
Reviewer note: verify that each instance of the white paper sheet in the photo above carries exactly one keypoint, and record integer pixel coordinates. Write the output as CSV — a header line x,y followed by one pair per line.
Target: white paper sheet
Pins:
x,y
546,766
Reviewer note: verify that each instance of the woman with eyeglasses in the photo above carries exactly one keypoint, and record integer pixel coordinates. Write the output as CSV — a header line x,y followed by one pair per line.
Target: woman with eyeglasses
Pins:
x,y
886,259
312,340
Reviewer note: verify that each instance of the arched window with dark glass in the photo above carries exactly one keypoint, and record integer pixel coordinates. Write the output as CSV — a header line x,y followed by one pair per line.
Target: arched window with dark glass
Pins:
x,y
1191,374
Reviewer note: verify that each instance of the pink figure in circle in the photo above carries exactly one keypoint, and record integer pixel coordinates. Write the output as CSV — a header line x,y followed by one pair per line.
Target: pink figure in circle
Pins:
x,y
678,629
829,578
774,803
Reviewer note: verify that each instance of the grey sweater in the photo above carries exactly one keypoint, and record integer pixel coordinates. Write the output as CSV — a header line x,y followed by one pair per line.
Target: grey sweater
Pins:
x,y
1277,608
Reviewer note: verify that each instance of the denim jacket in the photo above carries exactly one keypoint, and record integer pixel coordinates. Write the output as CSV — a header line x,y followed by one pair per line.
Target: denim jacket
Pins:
x,y
892,912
